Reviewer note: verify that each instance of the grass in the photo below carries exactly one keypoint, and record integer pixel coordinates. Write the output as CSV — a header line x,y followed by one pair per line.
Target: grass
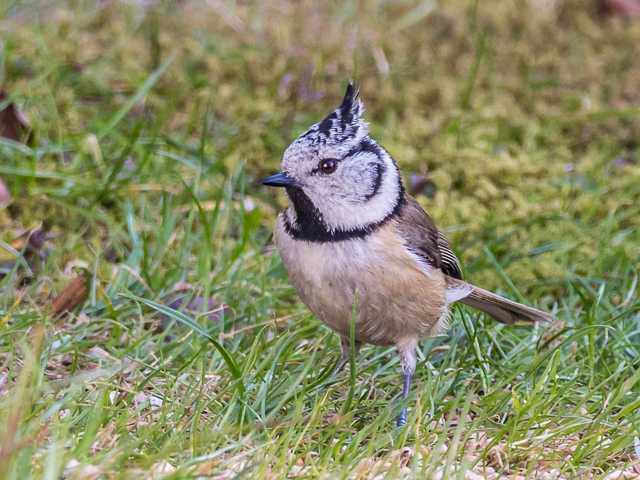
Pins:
x,y
154,124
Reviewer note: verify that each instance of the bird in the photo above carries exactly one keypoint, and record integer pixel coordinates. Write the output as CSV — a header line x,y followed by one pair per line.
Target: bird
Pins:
x,y
351,231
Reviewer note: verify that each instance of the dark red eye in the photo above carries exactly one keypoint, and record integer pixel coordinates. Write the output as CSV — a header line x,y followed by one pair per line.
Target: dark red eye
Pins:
x,y
328,166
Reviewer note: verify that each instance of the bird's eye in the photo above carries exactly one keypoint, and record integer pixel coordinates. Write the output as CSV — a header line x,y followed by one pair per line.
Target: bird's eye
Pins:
x,y
328,166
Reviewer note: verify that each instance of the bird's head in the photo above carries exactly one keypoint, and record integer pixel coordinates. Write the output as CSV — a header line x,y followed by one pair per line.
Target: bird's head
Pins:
x,y
337,178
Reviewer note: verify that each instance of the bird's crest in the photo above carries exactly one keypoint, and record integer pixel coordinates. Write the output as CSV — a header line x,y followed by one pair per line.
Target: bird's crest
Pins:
x,y
346,121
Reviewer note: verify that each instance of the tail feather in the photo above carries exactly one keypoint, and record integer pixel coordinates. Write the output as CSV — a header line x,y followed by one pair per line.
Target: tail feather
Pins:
x,y
501,309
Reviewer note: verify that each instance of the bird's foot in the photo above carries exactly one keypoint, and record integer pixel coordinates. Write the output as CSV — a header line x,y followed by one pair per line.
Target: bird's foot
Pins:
x,y
402,419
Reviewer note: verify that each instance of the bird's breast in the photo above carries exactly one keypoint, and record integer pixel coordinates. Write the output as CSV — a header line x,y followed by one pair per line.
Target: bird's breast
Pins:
x,y
397,297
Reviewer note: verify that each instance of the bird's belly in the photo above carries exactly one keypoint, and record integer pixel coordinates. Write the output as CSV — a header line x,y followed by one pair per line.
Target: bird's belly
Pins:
x,y
397,299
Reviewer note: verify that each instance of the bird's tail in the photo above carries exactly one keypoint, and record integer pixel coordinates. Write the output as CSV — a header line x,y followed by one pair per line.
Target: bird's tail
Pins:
x,y
503,310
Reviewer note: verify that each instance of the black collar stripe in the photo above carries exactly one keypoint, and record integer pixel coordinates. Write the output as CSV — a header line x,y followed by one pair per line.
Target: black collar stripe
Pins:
x,y
310,227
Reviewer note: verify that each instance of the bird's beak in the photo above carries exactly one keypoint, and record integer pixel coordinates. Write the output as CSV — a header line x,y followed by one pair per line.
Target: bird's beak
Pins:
x,y
280,180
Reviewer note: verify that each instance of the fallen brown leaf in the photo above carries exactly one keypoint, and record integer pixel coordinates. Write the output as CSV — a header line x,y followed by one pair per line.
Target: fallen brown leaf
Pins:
x,y
71,296
13,124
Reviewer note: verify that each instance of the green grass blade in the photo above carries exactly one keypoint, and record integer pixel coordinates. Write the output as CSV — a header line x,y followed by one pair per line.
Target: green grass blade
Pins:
x,y
181,317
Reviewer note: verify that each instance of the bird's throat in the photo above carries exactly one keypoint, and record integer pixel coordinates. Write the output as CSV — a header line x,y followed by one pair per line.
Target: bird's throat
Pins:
x,y
308,225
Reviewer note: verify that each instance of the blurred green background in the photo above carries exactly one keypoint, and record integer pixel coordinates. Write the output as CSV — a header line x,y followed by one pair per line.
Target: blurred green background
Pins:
x,y
147,129
522,112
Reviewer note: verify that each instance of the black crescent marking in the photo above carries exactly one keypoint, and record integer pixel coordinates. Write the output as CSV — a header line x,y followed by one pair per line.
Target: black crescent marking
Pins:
x,y
365,145
379,168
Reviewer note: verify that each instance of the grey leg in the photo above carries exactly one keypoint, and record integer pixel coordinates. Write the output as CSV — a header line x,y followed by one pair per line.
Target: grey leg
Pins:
x,y
402,419
338,367
408,359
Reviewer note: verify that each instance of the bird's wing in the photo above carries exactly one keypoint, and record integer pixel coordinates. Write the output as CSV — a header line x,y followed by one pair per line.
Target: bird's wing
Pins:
x,y
450,263
423,238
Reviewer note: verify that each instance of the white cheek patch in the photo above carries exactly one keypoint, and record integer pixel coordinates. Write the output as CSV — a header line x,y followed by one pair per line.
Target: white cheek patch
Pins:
x,y
351,215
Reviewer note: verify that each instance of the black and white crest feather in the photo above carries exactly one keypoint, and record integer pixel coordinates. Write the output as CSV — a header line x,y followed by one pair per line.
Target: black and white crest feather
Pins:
x,y
343,124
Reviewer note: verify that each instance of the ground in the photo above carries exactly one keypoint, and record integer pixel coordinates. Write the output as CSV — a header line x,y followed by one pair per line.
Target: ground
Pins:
x,y
517,127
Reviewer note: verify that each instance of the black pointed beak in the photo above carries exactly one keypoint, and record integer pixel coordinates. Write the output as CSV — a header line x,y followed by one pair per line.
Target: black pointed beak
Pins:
x,y
280,180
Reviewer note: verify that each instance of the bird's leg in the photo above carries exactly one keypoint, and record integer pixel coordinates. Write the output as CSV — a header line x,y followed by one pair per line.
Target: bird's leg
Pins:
x,y
345,349
408,360
402,419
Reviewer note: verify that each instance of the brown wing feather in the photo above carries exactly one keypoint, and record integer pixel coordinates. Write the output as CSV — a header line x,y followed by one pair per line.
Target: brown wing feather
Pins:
x,y
450,263
424,239
499,308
